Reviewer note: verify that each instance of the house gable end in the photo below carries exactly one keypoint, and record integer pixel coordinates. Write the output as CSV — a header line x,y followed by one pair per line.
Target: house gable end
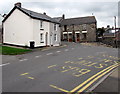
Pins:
x,y
12,12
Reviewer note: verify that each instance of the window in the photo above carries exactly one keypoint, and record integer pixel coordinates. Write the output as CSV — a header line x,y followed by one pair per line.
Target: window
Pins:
x,y
55,37
55,27
84,26
41,37
41,24
65,27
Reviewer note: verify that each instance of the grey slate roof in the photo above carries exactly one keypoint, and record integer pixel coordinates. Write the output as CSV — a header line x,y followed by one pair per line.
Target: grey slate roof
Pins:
x,y
79,20
33,14
38,15
58,19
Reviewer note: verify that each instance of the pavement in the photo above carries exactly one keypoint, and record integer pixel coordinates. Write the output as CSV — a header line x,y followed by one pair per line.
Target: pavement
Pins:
x,y
110,84
72,68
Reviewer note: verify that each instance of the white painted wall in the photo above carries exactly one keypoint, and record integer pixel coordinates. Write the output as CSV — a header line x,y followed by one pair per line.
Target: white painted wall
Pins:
x,y
58,33
18,29
37,32
1,18
48,28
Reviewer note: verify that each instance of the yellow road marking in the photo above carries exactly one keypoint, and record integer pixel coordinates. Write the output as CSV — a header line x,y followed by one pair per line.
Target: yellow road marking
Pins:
x,y
30,78
45,49
80,58
24,74
90,56
51,66
76,88
67,61
95,79
59,88
70,68
108,60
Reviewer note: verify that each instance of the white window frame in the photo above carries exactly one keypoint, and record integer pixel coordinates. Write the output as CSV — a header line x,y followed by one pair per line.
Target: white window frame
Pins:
x,y
41,24
55,37
41,37
84,27
55,27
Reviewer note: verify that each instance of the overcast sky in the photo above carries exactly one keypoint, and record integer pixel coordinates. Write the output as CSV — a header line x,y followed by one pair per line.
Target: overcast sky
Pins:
x,y
103,10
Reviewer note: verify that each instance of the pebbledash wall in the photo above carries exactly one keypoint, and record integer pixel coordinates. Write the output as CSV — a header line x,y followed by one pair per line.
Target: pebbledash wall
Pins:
x,y
17,33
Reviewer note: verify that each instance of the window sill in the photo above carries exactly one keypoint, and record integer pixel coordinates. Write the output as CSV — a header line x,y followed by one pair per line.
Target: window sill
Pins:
x,y
42,42
41,29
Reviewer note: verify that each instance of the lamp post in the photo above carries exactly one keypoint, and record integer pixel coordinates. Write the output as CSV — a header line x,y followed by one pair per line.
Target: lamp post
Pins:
x,y
115,32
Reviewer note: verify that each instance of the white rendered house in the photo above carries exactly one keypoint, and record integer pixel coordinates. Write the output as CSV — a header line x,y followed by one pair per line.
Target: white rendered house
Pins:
x,y
22,27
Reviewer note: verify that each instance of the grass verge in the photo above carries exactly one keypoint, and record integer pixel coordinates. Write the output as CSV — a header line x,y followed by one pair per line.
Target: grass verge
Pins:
x,y
4,50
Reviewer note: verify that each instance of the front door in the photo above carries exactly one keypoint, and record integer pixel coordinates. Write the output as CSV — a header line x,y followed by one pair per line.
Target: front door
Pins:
x,y
77,37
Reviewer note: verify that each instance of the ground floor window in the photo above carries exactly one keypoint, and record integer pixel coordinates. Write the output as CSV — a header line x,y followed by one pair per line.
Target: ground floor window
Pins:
x,y
41,37
55,37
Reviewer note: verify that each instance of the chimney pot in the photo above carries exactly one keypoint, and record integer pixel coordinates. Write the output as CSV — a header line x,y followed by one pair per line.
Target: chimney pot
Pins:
x,y
44,13
18,4
63,16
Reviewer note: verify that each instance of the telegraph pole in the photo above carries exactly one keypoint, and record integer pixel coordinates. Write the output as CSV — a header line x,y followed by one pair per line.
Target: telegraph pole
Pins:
x,y
115,22
115,32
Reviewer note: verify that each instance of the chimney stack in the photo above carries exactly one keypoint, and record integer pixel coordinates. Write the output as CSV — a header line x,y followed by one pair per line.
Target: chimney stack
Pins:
x,y
18,4
63,16
44,13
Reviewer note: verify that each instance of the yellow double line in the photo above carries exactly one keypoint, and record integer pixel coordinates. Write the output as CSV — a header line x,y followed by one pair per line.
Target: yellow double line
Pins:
x,y
93,78
80,88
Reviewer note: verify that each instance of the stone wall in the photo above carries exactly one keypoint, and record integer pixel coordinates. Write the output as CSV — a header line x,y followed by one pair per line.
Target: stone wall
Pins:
x,y
90,28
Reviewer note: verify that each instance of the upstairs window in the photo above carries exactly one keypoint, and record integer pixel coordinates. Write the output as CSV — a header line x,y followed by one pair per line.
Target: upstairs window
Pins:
x,y
84,26
55,27
41,24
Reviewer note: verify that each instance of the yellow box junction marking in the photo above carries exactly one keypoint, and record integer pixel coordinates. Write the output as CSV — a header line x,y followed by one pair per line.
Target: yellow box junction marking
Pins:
x,y
95,79
51,66
24,74
80,58
76,88
90,56
30,78
59,88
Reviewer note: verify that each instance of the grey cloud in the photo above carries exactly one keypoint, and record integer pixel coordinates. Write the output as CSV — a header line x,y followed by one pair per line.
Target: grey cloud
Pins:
x,y
104,11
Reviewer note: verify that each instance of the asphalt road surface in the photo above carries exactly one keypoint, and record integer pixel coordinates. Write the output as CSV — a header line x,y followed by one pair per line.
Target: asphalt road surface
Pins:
x,y
72,68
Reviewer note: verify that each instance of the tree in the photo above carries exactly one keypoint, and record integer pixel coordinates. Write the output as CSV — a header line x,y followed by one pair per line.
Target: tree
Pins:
x,y
100,32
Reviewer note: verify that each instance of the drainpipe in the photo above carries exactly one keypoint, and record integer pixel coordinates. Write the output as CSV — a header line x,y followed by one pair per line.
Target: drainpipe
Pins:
x,y
73,34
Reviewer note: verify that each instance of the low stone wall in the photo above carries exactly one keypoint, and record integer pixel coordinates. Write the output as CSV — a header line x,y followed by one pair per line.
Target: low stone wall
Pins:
x,y
110,41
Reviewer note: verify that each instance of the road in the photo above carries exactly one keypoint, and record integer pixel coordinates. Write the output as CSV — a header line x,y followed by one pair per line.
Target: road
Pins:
x,y
72,68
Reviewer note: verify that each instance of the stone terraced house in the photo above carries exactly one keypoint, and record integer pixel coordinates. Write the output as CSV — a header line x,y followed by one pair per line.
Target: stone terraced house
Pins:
x,y
79,29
